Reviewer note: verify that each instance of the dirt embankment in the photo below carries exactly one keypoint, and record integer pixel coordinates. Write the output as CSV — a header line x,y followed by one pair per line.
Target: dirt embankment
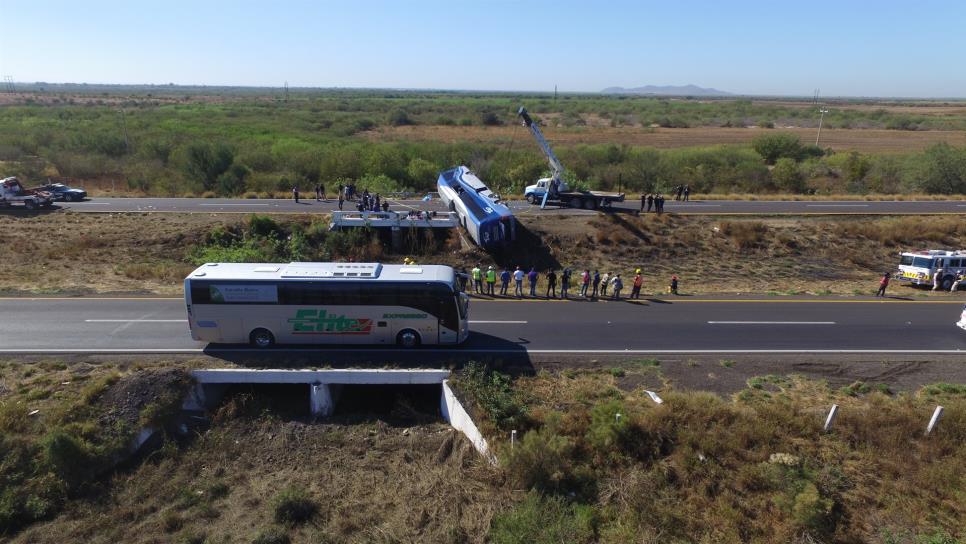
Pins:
x,y
150,253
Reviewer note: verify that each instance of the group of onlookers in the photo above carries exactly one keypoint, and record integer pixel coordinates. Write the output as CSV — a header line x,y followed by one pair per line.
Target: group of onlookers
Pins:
x,y
591,286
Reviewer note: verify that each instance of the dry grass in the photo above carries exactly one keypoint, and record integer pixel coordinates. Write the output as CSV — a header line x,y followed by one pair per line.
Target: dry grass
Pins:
x,y
756,468
147,253
863,140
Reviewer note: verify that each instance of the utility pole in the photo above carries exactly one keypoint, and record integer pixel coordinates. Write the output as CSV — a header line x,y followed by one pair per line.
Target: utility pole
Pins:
x,y
823,111
555,92
286,91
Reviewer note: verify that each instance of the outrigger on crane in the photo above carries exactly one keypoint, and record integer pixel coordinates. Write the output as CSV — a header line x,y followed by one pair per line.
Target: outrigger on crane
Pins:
x,y
554,189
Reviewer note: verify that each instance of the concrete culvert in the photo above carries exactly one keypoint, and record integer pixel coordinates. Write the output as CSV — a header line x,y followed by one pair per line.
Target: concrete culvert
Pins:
x,y
403,404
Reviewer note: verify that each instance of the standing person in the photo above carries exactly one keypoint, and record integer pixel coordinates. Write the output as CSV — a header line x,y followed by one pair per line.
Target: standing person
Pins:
x,y
584,282
937,278
883,283
659,203
551,283
322,192
650,202
596,283
638,282
341,200
477,279
643,201
295,193
673,288
317,193
618,285
504,281
532,276
565,283
490,281
377,202
604,282
680,192
687,192
518,279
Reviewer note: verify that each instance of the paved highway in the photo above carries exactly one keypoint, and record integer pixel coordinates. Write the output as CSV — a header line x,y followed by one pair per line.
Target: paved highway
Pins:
x,y
706,207
680,325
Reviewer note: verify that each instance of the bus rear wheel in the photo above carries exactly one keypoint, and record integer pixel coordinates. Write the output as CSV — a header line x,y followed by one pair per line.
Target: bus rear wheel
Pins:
x,y
407,338
261,338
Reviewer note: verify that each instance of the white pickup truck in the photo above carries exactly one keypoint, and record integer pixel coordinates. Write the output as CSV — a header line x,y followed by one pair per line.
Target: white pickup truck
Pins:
x,y
12,191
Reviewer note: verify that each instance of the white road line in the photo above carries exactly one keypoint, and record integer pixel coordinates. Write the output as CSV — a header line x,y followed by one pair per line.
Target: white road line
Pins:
x,y
696,205
771,322
135,321
92,203
455,351
495,322
836,205
253,204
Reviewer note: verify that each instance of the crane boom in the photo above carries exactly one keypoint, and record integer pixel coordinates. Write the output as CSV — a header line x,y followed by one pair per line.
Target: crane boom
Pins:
x,y
556,167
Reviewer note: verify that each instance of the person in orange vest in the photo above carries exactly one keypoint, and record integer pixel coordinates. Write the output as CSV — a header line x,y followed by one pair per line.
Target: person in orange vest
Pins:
x,y
673,288
883,283
638,282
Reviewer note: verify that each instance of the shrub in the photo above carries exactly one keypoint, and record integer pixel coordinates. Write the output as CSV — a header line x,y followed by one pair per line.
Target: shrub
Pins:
x,y
263,225
293,507
67,456
542,460
539,520
772,147
493,393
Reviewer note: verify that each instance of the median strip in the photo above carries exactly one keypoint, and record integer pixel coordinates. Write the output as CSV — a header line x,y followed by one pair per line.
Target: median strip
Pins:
x,y
135,321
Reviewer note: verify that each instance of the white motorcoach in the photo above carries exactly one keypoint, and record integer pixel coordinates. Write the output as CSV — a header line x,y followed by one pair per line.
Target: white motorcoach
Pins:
x,y
326,303
918,267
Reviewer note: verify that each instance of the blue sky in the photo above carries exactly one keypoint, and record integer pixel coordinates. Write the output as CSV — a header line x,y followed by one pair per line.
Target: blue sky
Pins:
x,y
845,48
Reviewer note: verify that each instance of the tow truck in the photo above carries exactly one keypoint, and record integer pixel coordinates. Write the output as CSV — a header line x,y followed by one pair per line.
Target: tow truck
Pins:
x,y
11,191
919,267
554,190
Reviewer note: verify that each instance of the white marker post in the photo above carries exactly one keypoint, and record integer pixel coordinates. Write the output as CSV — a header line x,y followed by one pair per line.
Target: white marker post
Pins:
x,y
654,397
831,418
617,418
513,438
938,413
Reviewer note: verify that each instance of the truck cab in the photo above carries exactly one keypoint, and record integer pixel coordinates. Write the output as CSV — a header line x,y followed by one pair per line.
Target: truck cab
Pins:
x,y
534,193
919,267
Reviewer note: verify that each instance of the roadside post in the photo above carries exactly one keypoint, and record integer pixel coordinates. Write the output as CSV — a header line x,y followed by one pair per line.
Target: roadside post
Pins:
x,y
831,418
934,420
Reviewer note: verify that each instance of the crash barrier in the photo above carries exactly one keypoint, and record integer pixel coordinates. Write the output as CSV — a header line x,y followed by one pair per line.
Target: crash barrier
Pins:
x,y
325,385
393,219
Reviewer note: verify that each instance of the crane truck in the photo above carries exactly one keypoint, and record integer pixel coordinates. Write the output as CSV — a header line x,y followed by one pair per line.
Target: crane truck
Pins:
x,y
11,190
554,190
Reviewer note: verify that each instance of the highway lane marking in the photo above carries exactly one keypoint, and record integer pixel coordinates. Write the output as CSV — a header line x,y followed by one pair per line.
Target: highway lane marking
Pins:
x,y
501,322
771,322
458,351
135,321
218,205
836,205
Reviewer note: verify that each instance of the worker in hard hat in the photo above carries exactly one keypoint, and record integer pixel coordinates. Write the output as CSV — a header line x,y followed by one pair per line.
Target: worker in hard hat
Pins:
x,y
638,282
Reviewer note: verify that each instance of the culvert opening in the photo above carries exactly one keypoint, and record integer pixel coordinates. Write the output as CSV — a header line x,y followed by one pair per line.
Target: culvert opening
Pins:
x,y
286,400
403,404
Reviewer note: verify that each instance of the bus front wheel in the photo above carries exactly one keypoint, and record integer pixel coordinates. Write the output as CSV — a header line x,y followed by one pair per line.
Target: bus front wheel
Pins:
x,y
407,338
262,338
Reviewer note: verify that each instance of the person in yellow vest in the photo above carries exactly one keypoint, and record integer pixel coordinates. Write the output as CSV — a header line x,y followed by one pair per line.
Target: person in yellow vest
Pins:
x,y
490,281
477,279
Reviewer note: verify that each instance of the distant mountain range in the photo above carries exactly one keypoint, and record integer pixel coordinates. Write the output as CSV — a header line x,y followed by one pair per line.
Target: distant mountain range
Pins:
x,y
668,90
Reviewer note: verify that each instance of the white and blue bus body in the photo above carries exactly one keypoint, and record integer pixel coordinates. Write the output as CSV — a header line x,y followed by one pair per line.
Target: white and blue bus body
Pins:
x,y
326,303
488,221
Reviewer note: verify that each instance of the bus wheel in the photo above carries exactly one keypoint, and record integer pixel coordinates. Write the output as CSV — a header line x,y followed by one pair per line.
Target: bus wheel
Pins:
x,y
407,338
947,283
262,338
531,200
590,204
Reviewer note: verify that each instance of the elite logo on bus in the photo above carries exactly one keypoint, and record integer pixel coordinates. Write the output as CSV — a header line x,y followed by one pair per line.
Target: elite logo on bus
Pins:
x,y
320,322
